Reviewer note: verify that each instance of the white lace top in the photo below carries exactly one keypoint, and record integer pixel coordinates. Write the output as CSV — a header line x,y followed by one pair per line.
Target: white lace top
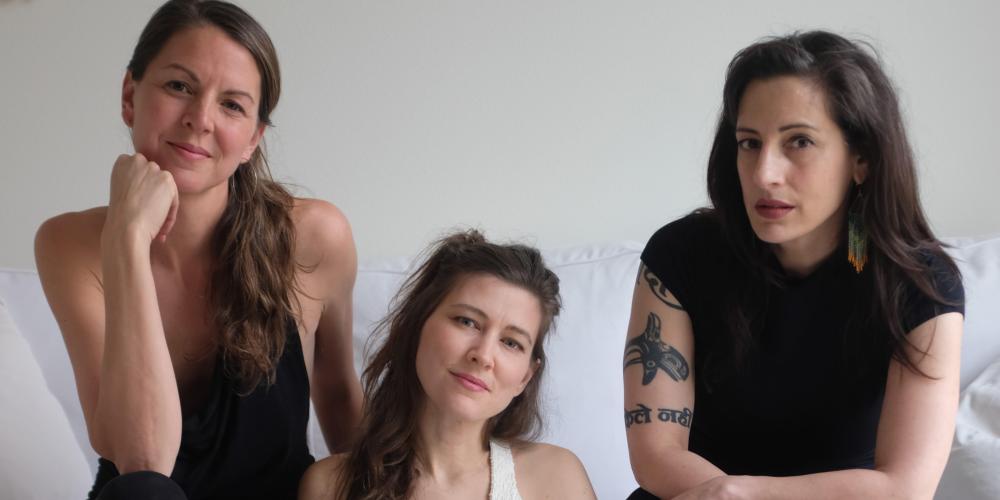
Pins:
x,y
503,484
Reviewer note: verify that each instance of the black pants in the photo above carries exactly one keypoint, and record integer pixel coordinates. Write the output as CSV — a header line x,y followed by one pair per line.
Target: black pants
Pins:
x,y
142,485
641,494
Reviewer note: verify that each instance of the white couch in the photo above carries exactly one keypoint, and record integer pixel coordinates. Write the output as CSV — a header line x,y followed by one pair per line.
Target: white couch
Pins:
x,y
44,451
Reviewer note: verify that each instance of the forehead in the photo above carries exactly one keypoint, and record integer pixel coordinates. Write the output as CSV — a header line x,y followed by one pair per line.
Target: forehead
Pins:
x,y
500,300
782,100
212,55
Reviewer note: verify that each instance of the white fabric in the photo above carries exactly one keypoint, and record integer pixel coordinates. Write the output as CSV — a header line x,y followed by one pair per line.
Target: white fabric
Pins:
x,y
503,481
979,262
582,391
39,458
973,470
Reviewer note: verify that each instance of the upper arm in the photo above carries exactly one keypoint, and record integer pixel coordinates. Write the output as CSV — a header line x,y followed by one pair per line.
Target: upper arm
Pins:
x,y
67,255
918,413
658,372
332,260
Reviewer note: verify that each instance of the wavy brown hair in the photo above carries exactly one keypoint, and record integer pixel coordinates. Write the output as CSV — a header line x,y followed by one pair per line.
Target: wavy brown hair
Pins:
x,y
253,276
382,463
863,103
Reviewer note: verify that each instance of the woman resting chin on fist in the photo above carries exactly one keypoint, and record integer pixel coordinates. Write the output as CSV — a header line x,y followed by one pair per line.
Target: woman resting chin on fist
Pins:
x,y
199,305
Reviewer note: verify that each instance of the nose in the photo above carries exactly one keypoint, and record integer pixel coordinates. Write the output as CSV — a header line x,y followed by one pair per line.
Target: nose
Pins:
x,y
198,115
769,166
482,352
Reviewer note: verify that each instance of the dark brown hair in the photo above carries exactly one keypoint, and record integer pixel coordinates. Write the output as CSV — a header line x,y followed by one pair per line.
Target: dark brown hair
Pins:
x,y
382,463
254,271
863,103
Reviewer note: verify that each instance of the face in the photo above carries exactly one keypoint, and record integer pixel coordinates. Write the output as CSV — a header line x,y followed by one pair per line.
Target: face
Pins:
x,y
475,349
195,110
795,167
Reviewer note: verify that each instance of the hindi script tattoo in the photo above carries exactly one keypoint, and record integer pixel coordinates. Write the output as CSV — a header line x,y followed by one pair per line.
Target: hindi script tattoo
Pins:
x,y
657,287
643,415
653,354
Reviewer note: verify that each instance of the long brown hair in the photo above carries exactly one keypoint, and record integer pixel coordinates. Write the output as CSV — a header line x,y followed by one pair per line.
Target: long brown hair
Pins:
x,y
254,271
863,103
382,463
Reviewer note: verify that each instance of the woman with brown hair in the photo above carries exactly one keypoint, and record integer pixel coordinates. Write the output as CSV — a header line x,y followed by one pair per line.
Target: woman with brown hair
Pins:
x,y
801,338
451,395
199,304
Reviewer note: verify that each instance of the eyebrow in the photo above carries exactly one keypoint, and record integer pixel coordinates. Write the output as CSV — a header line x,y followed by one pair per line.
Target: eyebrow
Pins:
x,y
479,312
780,129
194,77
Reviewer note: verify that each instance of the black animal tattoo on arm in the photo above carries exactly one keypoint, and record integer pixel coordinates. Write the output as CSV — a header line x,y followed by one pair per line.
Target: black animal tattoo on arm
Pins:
x,y
654,354
657,287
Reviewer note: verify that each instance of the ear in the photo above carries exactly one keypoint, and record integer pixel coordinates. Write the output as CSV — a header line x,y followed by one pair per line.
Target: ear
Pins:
x,y
527,376
860,170
258,134
128,96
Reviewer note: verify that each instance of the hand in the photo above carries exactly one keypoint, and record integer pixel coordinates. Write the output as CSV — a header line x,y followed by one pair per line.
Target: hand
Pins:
x,y
143,198
720,488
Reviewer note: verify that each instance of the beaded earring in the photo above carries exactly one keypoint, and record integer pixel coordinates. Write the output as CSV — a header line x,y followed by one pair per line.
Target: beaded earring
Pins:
x,y
857,237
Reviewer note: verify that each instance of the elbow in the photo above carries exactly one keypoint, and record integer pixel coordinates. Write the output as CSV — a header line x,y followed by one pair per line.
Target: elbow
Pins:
x,y
906,487
150,451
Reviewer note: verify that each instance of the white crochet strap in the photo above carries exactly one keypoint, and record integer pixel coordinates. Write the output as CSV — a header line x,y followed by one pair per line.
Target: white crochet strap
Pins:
x,y
503,483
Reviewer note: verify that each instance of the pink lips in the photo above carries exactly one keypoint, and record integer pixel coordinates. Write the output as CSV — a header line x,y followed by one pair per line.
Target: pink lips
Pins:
x,y
189,151
469,382
772,209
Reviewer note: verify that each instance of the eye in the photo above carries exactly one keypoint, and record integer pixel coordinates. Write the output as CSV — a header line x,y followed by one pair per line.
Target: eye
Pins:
x,y
178,86
512,344
748,144
801,142
234,106
466,322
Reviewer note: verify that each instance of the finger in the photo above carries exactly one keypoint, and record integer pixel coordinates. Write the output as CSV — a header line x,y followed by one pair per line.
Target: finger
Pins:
x,y
168,224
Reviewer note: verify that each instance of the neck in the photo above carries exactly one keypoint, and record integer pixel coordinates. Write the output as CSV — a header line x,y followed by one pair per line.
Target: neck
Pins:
x,y
802,256
190,240
450,448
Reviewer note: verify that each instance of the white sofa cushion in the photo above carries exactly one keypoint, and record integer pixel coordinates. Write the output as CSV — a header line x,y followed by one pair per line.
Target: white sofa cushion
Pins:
x,y
979,261
40,457
975,455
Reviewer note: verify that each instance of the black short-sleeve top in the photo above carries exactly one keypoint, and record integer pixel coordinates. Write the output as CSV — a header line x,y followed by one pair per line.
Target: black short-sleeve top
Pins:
x,y
803,401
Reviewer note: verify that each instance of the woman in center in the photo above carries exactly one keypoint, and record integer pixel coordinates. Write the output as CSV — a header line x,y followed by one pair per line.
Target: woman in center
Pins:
x,y
451,395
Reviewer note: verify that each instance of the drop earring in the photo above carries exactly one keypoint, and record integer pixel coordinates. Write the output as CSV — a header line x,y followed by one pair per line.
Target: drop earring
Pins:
x,y
857,236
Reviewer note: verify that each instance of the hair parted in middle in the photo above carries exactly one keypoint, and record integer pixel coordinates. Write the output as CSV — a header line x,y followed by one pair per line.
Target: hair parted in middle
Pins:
x,y
382,463
862,101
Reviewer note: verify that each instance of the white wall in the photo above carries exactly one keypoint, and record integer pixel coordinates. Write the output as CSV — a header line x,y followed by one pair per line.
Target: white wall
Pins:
x,y
560,122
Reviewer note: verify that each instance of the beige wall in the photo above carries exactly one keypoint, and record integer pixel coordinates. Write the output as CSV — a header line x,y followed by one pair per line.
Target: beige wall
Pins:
x,y
558,122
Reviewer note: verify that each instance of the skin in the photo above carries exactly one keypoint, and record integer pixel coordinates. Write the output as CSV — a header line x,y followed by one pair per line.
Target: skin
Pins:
x,y
811,168
127,283
484,328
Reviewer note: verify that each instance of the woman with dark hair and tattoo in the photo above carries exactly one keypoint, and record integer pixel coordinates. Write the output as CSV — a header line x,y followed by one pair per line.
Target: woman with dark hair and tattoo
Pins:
x,y
801,338
199,304
451,395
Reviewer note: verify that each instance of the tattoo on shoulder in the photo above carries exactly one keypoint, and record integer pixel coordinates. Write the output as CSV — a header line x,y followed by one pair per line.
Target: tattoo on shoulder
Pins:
x,y
643,415
657,287
653,354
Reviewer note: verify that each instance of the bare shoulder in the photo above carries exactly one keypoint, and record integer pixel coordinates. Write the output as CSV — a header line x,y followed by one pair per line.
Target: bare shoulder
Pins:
x,y
70,239
549,471
321,478
320,225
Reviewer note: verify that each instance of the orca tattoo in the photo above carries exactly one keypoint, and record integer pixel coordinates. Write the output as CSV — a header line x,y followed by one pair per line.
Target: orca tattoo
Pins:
x,y
658,288
654,354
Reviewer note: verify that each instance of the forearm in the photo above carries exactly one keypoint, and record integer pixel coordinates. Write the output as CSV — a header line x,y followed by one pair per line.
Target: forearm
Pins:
x,y
852,483
138,416
673,472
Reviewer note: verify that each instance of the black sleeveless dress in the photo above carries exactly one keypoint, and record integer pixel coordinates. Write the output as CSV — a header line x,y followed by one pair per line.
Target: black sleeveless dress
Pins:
x,y
251,447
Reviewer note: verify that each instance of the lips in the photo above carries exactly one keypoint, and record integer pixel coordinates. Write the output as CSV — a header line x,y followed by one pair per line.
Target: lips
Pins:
x,y
772,209
470,382
189,151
